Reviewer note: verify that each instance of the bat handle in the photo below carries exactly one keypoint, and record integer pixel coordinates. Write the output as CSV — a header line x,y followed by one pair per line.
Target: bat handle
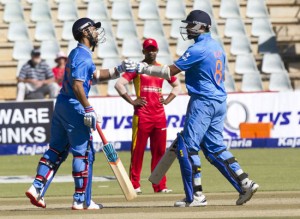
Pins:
x,y
101,134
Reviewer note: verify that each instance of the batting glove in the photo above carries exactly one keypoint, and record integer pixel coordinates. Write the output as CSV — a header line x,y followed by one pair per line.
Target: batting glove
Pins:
x,y
141,67
90,117
127,66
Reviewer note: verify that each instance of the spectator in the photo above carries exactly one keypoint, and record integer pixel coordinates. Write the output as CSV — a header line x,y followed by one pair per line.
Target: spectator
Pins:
x,y
59,70
36,79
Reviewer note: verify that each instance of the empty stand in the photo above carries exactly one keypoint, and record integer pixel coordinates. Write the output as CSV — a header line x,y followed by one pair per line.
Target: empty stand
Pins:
x,y
17,31
234,27
251,82
153,29
256,8
67,11
148,10
108,49
245,64
240,45
126,28
13,11
22,50
97,10
175,9
280,82
44,31
229,9
272,63
121,10
40,11
49,49
262,26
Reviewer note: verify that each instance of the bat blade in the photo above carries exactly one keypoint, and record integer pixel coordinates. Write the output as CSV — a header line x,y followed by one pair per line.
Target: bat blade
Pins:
x,y
119,171
163,165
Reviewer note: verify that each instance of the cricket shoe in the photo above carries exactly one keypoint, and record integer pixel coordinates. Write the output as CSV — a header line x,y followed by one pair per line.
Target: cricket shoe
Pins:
x,y
35,197
166,190
199,201
250,187
138,191
82,206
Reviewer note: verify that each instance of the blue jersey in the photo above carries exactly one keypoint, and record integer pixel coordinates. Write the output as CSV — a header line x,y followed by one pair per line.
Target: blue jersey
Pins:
x,y
204,66
80,67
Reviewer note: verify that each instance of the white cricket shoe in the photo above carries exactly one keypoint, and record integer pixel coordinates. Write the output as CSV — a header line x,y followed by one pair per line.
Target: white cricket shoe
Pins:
x,y
34,195
138,191
199,201
250,187
166,190
82,206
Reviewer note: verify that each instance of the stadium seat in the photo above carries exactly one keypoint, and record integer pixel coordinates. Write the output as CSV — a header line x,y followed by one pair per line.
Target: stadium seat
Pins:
x,y
153,29
67,30
175,28
108,49
21,62
71,45
94,91
49,49
13,12
34,1
121,10
131,47
251,82
3,2
22,50
229,82
126,28
234,27
96,10
256,8
51,63
175,9
164,60
44,31
163,46
267,44
240,45
111,91
111,62
220,41
261,26
229,9
245,64
272,63
214,28
182,46
204,5
67,11
40,11
17,31
280,82
107,28
148,10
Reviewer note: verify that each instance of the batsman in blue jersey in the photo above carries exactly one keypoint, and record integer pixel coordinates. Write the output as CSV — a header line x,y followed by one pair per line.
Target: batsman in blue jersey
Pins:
x,y
204,66
74,119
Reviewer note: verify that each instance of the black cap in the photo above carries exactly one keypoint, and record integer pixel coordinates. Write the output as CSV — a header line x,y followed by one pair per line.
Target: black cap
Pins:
x,y
197,16
35,52
82,24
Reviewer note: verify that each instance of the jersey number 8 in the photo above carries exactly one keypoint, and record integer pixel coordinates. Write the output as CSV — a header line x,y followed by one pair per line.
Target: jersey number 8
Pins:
x,y
218,72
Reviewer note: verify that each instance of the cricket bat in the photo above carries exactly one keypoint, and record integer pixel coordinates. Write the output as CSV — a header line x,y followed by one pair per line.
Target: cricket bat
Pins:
x,y
117,167
164,164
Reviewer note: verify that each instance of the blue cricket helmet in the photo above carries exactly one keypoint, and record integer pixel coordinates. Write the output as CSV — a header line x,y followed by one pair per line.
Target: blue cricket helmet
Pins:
x,y
82,24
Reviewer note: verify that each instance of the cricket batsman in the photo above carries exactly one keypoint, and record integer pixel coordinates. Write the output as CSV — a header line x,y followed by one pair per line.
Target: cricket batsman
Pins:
x,y
74,118
149,119
204,66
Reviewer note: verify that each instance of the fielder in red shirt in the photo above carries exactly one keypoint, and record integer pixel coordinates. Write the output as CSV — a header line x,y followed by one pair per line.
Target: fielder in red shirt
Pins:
x,y
149,120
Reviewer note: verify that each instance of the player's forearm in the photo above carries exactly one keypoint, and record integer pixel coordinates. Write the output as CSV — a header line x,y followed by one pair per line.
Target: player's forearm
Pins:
x,y
106,74
80,94
127,98
169,98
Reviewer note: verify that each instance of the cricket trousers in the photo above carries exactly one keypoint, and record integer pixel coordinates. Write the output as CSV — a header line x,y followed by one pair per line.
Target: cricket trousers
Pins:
x,y
141,131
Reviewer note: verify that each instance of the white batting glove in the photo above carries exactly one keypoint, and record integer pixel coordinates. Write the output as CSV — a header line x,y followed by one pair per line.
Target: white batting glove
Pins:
x,y
90,117
127,66
140,67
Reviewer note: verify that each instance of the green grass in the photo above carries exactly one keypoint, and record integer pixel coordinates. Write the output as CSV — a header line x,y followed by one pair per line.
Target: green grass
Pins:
x,y
273,169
